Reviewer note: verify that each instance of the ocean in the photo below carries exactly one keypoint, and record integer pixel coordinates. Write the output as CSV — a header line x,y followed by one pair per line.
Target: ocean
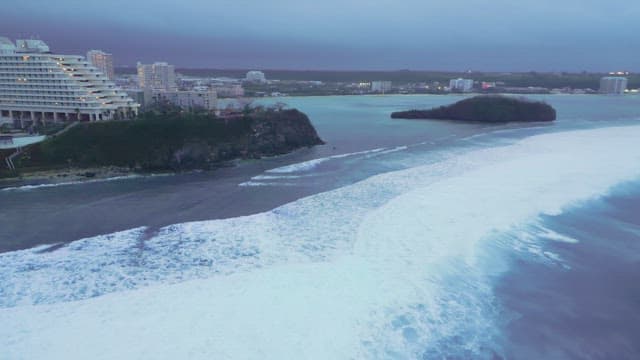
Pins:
x,y
398,239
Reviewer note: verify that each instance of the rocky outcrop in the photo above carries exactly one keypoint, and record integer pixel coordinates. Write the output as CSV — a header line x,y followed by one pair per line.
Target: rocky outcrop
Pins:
x,y
270,132
279,132
486,108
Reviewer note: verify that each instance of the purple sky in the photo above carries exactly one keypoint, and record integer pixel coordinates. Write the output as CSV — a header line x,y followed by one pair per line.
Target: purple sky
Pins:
x,y
492,35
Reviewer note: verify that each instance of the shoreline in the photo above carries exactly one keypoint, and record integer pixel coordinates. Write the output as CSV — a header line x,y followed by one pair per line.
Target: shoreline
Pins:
x,y
72,175
75,175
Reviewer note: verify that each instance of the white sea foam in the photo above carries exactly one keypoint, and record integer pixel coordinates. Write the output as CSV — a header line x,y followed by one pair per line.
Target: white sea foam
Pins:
x,y
312,164
278,177
273,180
67,183
273,176
527,239
555,236
79,182
262,183
390,267
387,151
299,167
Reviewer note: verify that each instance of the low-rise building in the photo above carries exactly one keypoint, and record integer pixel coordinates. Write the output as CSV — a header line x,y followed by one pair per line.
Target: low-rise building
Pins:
x,y
144,97
230,91
206,99
488,85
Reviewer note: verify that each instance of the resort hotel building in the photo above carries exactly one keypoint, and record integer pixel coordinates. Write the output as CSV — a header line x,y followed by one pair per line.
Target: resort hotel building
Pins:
x,y
37,87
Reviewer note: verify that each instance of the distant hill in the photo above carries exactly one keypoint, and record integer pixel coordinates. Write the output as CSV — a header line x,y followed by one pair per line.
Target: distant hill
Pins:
x,y
486,108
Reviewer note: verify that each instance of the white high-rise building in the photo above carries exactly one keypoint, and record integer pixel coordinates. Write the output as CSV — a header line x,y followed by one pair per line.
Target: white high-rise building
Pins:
x,y
145,76
102,61
157,76
615,85
37,86
464,85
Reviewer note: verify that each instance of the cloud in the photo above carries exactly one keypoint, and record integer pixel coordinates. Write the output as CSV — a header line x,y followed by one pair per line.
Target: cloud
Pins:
x,y
451,34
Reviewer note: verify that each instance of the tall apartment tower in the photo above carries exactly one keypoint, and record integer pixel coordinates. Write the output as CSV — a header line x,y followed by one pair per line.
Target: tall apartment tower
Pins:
x,y
615,85
102,61
37,86
145,76
157,76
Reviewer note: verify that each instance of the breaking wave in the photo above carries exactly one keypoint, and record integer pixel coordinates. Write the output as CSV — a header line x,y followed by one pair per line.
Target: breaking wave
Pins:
x,y
67,183
398,266
312,164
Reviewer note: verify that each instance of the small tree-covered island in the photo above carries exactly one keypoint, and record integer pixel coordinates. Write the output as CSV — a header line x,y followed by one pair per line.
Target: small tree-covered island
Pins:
x,y
172,141
486,108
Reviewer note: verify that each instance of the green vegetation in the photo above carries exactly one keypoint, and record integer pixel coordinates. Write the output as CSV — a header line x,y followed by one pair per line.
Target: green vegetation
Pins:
x,y
49,128
486,108
170,140
148,143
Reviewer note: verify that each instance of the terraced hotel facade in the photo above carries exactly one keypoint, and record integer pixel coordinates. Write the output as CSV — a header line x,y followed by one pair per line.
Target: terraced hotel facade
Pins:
x,y
37,87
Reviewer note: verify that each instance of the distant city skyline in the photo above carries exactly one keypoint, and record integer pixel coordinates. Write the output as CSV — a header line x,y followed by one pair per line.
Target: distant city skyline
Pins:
x,y
501,35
